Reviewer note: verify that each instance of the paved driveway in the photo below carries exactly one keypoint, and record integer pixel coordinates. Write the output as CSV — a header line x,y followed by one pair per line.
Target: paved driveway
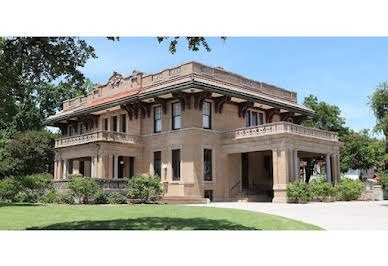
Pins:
x,y
354,215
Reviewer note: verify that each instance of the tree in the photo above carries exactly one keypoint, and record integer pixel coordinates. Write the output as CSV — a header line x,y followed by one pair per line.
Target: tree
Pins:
x,y
194,43
379,104
26,153
329,116
28,67
360,151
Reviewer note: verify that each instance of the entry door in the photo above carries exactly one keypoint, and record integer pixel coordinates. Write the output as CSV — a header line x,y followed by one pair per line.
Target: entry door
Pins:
x,y
121,167
244,170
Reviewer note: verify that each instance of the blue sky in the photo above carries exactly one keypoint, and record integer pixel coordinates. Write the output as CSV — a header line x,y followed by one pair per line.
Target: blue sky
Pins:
x,y
340,71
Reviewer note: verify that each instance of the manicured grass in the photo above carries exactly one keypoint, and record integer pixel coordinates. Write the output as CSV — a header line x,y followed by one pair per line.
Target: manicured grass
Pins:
x,y
139,217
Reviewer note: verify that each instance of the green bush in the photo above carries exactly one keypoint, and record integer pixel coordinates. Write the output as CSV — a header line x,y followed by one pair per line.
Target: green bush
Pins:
x,y
349,189
117,198
145,189
50,197
26,197
37,183
383,182
298,192
101,197
84,189
9,189
321,190
66,199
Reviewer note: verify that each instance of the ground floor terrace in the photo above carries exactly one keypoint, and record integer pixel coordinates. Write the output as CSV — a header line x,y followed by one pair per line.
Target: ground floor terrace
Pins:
x,y
249,164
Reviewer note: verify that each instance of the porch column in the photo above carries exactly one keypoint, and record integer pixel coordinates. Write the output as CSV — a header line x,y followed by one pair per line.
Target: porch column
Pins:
x,y
110,166
116,166
328,168
92,172
280,175
56,170
296,165
65,163
87,168
59,170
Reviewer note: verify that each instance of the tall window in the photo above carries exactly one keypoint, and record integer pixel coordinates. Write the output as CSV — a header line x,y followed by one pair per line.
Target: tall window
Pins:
x,y
82,128
106,124
124,123
207,165
114,123
206,115
248,118
176,116
254,118
176,164
158,163
131,166
261,119
157,119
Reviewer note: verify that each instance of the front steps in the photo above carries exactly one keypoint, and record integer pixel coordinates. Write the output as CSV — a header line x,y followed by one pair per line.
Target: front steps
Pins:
x,y
246,196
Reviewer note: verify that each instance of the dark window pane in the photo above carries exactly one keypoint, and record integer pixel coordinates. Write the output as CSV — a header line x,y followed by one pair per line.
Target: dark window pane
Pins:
x,y
106,124
123,123
131,167
115,123
176,164
207,165
158,163
261,119
208,194
206,115
248,119
254,118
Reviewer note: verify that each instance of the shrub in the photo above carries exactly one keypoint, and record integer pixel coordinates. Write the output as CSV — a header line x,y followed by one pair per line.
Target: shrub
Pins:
x,y
383,182
145,188
321,190
9,189
26,197
101,197
349,189
298,192
66,199
84,189
117,198
50,197
36,184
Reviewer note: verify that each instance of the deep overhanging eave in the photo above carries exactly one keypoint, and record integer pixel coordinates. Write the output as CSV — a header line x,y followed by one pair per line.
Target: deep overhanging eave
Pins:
x,y
178,87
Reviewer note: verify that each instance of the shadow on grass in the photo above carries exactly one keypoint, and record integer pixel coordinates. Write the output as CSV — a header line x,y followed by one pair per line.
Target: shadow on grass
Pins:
x,y
147,223
7,204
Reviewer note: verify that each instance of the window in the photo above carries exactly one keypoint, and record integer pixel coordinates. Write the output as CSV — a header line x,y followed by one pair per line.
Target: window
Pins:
x,y
106,124
71,130
261,119
248,118
176,116
206,115
131,167
82,128
123,123
157,119
158,163
115,123
254,118
82,168
208,194
176,164
207,165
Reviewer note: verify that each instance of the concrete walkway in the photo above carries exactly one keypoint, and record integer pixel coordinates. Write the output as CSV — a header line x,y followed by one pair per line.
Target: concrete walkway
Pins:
x,y
353,215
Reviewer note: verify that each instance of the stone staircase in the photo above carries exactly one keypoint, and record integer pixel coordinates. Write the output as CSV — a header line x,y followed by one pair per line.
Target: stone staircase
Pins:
x,y
248,196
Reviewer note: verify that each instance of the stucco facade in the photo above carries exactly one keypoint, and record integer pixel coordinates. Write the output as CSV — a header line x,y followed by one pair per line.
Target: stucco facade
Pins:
x,y
217,134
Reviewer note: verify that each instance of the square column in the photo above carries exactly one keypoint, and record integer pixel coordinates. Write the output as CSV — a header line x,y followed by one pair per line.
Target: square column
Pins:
x,y
296,165
110,166
59,170
65,166
280,175
76,167
328,168
56,170
115,166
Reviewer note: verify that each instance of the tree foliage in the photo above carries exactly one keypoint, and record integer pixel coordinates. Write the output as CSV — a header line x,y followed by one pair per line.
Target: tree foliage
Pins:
x,y
25,153
379,104
194,43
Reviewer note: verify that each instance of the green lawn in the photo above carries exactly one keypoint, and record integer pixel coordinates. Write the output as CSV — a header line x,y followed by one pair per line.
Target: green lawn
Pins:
x,y
139,217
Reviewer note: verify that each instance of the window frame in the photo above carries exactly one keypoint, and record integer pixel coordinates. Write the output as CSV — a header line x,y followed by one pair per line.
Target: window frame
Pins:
x,y
254,122
209,115
106,124
114,123
248,114
206,152
156,120
159,173
173,116
123,120
176,165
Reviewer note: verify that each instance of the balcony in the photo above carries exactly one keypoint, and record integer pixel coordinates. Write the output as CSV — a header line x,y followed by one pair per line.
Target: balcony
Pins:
x,y
278,128
108,136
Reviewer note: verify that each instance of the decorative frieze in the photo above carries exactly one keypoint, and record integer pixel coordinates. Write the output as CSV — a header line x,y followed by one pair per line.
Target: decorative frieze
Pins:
x,y
207,70
157,77
175,71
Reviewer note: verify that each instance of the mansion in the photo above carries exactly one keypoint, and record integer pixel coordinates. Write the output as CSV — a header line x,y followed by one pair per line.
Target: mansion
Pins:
x,y
207,132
